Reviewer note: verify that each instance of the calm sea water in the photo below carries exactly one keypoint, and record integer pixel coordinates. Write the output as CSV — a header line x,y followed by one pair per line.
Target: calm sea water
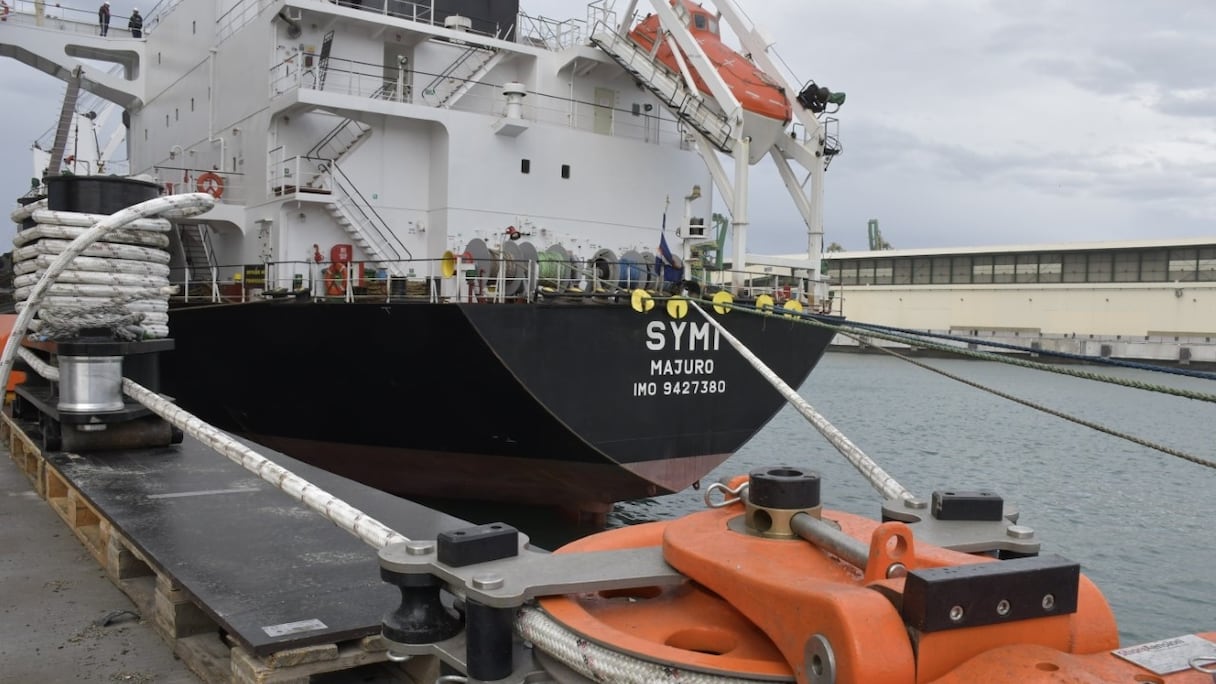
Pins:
x,y
1140,522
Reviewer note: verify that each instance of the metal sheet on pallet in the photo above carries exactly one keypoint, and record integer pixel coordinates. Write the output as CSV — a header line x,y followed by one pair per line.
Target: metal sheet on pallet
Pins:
x,y
270,572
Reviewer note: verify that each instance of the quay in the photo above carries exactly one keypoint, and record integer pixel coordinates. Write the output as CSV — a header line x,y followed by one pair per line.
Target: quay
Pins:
x,y
174,564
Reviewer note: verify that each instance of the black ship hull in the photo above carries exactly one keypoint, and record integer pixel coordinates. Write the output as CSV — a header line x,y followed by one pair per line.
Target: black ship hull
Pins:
x,y
574,405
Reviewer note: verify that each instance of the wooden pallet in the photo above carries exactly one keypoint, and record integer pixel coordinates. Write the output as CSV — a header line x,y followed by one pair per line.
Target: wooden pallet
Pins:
x,y
178,618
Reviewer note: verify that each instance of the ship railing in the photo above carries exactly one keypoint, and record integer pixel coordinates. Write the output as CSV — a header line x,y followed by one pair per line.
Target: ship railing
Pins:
x,y
551,34
497,279
364,79
181,179
237,17
424,13
49,14
297,174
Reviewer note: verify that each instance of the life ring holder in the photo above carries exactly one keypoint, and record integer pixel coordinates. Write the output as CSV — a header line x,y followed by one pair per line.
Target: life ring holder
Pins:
x,y
211,183
335,280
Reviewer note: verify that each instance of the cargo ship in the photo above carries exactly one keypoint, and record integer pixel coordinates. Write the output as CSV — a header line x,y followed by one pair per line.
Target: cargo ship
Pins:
x,y
440,260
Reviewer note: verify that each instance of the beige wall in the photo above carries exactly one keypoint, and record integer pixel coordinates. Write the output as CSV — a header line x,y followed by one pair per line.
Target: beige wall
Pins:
x,y
1108,309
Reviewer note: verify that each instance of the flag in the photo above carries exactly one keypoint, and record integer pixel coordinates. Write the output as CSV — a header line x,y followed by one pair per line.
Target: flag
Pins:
x,y
666,264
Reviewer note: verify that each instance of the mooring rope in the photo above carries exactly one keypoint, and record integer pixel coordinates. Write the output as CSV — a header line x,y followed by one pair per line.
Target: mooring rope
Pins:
x,y
371,531
993,344
120,283
173,205
868,467
1198,460
813,319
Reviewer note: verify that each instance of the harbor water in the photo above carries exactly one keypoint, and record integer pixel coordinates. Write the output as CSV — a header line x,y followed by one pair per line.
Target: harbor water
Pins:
x,y
1137,520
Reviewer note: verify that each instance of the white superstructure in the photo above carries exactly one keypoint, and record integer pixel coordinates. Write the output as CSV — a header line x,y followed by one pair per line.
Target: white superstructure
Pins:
x,y
406,130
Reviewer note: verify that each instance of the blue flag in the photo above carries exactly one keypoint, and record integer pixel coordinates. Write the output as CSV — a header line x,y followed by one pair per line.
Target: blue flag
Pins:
x,y
667,264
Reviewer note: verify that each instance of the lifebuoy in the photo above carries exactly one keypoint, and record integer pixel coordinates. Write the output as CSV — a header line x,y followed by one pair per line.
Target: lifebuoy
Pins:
x,y
335,280
212,184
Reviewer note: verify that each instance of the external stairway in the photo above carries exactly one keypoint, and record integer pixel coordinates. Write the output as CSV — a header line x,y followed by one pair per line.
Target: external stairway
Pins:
x,y
684,102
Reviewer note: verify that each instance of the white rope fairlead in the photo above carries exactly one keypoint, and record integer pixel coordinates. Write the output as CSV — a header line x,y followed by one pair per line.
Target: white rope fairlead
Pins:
x,y
600,664
120,283
869,469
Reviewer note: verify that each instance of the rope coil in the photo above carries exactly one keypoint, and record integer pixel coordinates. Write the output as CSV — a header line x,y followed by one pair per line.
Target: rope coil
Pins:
x,y
120,283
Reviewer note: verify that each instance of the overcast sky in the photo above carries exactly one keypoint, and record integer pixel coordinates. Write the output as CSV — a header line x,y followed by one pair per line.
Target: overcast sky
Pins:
x,y
967,122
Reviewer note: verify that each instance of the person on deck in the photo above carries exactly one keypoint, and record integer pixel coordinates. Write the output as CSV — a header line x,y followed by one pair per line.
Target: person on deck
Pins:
x,y
136,24
103,18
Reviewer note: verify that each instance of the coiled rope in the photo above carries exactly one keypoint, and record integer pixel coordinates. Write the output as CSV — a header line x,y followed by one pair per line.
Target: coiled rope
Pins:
x,y
121,283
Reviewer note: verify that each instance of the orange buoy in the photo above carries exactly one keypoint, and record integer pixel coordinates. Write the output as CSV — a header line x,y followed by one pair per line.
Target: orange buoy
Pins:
x,y
212,184
335,279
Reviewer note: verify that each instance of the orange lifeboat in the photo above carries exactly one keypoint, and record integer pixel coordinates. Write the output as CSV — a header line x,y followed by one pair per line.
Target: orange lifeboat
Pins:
x,y
756,92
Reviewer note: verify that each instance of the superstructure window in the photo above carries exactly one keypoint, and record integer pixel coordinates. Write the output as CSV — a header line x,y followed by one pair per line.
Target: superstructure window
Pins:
x,y
1027,269
565,170
941,270
960,269
847,272
903,271
1184,264
865,272
1127,266
1049,268
1152,266
1003,267
882,271
981,269
1074,268
525,166
700,21
1207,264
1100,267
921,270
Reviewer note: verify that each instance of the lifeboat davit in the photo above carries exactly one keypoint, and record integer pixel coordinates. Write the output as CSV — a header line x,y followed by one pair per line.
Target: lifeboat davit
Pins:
x,y
766,109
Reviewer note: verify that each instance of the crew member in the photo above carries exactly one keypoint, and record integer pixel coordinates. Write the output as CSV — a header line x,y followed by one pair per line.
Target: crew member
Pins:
x,y
136,24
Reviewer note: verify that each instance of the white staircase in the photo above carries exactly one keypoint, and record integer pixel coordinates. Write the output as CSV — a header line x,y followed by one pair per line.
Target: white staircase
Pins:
x,y
64,125
685,103
336,144
198,254
366,228
461,75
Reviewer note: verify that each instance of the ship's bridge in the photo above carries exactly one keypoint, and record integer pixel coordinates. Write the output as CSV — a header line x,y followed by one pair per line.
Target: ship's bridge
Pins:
x,y
55,40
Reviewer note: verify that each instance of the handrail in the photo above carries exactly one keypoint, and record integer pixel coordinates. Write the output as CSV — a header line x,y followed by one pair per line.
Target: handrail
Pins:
x,y
372,217
432,88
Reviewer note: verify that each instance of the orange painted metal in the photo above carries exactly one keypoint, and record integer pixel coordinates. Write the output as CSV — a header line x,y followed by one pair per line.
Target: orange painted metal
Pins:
x,y
755,91
752,605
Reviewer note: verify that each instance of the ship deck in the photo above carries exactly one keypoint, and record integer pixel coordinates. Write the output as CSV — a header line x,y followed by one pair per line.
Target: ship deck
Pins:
x,y
245,583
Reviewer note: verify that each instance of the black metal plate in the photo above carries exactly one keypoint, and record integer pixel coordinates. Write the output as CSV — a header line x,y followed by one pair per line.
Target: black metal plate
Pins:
x,y
978,589
251,556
